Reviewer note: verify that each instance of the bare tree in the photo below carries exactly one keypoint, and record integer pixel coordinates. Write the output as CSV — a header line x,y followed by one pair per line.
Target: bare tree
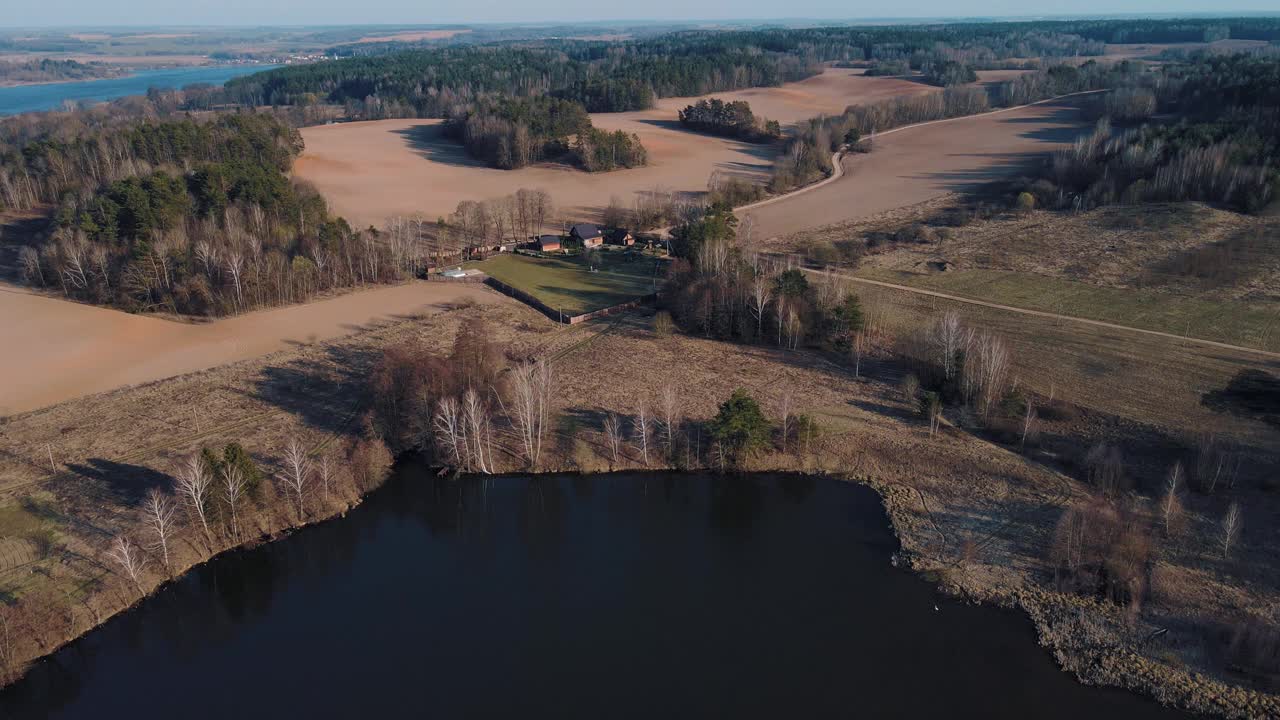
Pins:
x,y
479,431
451,431
785,416
1230,529
159,511
130,560
641,427
326,474
8,653
1171,505
669,406
531,387
949,337
234,484
761,294
193,483
296,473
857,348
1028,421
613,436
933,411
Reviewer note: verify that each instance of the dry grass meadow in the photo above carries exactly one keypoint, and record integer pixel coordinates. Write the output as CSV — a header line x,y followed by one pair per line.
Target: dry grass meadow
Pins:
x,y
975,513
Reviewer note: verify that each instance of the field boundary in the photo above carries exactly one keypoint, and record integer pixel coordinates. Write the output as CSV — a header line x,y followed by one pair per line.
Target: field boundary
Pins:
x,y
559,315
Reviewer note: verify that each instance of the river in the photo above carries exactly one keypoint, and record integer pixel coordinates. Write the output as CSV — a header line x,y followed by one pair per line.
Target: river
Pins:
x,y
620,596
49,96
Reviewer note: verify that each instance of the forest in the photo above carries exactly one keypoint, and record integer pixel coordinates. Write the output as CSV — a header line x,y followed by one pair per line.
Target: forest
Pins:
x,y
1222,148
510,133
47,70
729,119
189,217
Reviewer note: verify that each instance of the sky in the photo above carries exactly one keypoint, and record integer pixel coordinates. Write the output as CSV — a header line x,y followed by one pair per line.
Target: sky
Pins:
x,y
333,12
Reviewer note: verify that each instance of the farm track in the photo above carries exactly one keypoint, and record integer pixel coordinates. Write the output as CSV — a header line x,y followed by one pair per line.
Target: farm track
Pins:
x,y
1049,315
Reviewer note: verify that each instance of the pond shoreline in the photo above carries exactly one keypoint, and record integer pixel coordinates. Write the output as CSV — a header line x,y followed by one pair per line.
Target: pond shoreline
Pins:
x,y
1049,612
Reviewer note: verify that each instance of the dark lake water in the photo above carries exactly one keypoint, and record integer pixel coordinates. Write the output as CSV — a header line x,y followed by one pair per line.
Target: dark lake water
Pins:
x,y
633,596
30,98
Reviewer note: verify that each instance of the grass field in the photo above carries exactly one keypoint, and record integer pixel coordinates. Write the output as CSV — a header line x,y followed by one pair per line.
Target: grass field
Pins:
x,y
1237,323
565,283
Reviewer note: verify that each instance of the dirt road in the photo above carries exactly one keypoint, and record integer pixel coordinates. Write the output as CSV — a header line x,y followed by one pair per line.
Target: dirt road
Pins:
x,y
913,164
1042,314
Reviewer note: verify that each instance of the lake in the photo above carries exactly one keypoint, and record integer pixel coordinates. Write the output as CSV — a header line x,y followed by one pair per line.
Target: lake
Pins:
x,y
618,596
49,96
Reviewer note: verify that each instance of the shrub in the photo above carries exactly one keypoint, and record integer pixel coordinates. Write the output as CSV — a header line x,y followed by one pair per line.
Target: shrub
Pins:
x,y
740,426
663,325
1026,202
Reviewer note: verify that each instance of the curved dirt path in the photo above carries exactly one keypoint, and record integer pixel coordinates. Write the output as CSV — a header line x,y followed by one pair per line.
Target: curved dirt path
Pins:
x,y
1043,314
958,154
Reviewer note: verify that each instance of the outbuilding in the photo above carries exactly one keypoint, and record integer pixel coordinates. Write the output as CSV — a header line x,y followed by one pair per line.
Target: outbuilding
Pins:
x,y
586,233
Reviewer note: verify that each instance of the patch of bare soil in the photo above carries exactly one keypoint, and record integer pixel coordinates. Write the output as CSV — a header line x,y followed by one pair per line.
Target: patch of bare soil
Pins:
x,y
63,349
369,171
414,35
919,164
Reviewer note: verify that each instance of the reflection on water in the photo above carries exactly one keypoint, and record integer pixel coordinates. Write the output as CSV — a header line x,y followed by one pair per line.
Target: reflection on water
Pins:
x,y
641,596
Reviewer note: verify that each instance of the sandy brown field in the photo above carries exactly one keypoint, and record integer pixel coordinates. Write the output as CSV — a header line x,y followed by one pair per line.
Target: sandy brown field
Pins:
x,y
413,36
369,171
62,350
1135,51
921,163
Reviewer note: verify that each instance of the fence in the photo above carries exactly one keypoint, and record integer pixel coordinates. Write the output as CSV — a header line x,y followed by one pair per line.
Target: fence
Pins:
x,y
556,314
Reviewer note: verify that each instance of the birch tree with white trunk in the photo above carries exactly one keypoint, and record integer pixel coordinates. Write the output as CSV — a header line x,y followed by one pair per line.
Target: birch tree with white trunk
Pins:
x,y
193,483
159,511
129,558
296,474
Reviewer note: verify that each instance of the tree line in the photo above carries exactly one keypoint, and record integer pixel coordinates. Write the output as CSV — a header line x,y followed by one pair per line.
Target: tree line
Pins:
x,y
615,76
1222,147
729,119
49,70
477,411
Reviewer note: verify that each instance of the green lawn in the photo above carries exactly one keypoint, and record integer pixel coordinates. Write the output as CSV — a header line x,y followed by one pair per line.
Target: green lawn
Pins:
x,y
565,284
1255,325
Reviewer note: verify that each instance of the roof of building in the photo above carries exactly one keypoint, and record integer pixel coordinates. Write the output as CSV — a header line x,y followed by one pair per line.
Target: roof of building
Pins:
x,y
548,239
618,234
586,231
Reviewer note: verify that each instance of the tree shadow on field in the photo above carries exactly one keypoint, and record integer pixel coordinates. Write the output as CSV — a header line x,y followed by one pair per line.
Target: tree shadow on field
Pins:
x,y
429,142
326,391
122,482
994,166
886,410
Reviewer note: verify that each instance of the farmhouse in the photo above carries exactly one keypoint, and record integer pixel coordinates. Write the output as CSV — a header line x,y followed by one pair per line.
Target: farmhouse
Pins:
x,y
586,233
549,243
620,236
